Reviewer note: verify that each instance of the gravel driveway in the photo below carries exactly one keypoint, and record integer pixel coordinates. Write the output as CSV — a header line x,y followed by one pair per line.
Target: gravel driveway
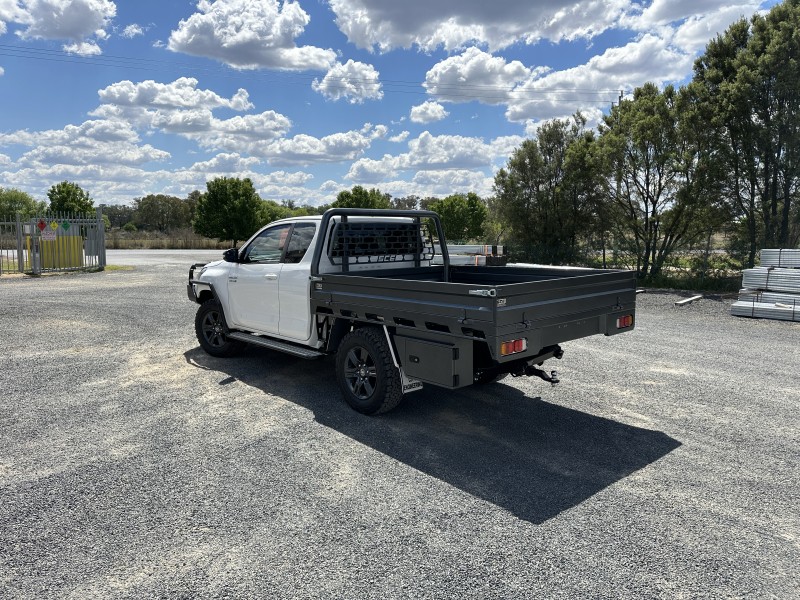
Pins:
x,y
666,463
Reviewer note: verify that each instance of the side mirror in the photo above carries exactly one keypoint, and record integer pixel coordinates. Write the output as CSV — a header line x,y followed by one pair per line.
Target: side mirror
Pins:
x,y
231,255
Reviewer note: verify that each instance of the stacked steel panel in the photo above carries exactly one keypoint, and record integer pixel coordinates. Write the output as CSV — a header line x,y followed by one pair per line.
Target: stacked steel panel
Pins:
x,y
771,291
473,254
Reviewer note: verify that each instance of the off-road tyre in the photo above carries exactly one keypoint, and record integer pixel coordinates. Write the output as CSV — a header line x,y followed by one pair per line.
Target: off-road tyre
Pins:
x,y
210,327
367,377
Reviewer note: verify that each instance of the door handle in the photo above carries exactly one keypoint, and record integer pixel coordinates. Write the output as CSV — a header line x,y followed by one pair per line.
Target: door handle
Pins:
x,y
271,276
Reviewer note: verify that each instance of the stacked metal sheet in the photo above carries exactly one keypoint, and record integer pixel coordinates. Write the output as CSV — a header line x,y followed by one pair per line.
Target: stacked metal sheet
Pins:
x,y
473,254
769,297
771,291
786,258
761,310
474,249
773,279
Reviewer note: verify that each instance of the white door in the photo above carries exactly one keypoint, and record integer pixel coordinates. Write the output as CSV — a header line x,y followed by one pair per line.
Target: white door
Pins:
x,y
254,284
295,296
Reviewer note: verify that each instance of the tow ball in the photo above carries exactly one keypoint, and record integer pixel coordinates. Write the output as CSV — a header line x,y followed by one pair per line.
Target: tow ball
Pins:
x,y
533,371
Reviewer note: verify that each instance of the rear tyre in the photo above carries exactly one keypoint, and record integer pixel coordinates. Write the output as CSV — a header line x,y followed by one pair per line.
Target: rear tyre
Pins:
x,y
209,325
367,377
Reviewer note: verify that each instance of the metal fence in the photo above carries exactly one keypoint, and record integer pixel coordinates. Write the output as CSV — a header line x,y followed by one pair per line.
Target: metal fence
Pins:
x,y
52,242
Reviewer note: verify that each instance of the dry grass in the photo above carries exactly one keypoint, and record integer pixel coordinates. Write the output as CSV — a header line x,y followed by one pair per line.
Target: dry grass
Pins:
x,y
184,239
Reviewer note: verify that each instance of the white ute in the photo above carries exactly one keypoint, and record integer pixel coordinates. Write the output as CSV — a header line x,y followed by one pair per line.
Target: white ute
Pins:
x,y
363,284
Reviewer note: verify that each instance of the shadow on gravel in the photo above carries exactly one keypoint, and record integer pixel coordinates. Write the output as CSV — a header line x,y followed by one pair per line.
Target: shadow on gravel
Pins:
x,y
530,457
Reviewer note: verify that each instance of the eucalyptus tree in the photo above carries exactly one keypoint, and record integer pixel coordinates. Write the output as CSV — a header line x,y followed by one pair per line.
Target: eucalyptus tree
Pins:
x,y
161,212
769,71
748,77
728,118
538,197
655,155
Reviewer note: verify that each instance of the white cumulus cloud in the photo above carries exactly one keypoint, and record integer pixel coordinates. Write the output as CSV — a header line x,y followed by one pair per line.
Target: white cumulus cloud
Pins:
x,y
250,34
538,93
83,49
694,33
477,74
436,153
661,12
82,22
595,83
132,30
305,149
400,137
428,112
179,107
454,24
179,94
352,81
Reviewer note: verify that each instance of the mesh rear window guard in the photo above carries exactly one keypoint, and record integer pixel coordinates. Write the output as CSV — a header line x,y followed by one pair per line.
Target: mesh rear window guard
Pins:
x,y
381,242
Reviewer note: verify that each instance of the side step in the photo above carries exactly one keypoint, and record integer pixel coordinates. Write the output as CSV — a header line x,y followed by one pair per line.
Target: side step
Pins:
x,y
287,347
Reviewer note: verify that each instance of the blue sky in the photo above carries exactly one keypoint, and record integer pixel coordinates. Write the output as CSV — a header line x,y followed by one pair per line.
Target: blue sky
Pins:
x,y
308,98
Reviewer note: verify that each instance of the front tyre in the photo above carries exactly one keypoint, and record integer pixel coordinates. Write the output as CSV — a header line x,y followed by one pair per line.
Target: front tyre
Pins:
x,y
209,325
367,377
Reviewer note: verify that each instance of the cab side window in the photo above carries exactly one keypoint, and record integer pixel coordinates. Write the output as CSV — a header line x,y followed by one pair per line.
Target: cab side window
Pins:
x,y
268,246
299,242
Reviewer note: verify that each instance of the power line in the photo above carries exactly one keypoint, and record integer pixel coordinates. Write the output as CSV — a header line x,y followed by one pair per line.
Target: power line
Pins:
x,y
444,90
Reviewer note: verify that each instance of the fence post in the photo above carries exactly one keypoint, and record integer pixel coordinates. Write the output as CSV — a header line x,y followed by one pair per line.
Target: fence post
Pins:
x,y
101,238
36,251
20,245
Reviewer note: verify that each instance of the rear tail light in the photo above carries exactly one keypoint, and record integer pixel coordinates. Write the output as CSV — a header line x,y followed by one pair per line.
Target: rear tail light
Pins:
x,y
623,322
513,346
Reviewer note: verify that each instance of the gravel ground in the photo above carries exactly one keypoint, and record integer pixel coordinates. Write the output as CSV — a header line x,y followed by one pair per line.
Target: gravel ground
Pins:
x,y
666,463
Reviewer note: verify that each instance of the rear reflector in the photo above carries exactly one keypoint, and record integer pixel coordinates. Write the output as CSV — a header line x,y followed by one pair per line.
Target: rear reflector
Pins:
x,y
625,321
513,346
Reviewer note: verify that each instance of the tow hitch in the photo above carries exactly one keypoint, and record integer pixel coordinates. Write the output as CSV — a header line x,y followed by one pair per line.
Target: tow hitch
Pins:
x,y
533,371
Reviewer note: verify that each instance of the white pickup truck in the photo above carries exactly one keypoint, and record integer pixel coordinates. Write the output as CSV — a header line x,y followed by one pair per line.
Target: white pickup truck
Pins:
x,y
364,285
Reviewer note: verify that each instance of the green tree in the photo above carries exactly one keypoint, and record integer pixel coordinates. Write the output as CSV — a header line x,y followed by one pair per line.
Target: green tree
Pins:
x,y
161,213
14,201
298,210
70,198
425,203
191,203
544,212
748,79
727,111
587,192
657,161
463,216
769,70
229,210
272,211
359,197
118,214
406,203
